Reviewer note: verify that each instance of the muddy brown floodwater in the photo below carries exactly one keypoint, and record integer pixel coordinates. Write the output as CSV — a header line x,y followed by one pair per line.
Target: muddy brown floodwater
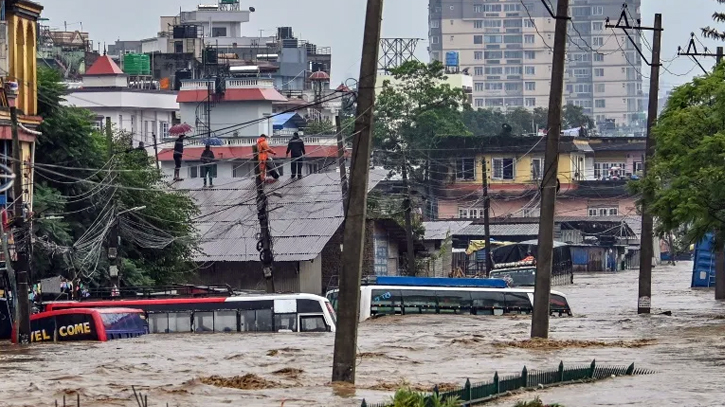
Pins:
x,y
686,349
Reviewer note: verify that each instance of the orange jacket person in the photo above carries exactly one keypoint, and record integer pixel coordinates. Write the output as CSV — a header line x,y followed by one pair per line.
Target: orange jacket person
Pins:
x,y
263,149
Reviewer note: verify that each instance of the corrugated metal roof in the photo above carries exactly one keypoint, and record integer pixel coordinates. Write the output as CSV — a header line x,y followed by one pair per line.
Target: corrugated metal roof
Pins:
x,y
304,214
517,229
438,230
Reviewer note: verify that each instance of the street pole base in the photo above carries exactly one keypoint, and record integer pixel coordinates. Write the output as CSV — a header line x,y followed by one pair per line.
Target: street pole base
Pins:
x,y
644,305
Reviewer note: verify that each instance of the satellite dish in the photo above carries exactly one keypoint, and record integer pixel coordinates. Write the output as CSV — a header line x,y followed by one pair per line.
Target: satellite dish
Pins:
x,y
252,9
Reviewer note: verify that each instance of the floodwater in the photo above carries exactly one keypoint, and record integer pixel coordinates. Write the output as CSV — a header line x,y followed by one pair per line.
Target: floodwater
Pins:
x,y
688,354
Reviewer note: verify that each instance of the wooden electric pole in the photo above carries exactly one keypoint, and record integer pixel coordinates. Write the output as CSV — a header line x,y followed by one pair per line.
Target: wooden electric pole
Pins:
x,y
544,251
266,256
486,218
21,235
345,356
647,240
407,207
341,164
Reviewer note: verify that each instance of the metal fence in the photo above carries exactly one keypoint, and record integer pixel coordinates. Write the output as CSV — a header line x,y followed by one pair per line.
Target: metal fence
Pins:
x,y
470,394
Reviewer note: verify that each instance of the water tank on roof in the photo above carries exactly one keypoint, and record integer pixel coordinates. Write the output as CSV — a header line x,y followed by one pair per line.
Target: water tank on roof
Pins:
x,y
452,58
284,33
137,64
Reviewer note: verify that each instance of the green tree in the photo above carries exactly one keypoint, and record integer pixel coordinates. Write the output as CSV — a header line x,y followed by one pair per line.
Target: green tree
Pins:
x,y
320,127
711,32
685,183
406,397
573,116
75,181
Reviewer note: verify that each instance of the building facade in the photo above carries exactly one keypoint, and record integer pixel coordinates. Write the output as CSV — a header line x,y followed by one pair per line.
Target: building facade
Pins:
x,y
507,46
145,113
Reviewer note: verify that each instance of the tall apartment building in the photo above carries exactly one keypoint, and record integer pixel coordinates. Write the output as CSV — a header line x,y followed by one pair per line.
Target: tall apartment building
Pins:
x,y
509,54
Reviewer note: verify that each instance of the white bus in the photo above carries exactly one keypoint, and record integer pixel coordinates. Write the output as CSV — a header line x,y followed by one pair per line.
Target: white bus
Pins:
x,y
379,300
242,313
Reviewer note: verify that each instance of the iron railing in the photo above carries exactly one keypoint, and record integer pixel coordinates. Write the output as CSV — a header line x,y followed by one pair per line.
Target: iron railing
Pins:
x,y
470,394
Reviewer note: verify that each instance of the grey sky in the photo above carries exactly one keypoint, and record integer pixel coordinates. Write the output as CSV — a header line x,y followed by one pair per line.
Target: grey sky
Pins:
x,y
339,24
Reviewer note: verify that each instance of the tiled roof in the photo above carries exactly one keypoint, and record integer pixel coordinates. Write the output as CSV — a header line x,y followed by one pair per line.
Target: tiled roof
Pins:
x,y
304,214
232,95
104,66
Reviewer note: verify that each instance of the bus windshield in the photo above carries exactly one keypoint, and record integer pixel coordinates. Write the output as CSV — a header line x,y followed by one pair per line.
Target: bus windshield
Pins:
x,y
518,277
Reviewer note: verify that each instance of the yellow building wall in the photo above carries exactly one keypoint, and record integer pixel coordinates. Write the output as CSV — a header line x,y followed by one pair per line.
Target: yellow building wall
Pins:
x,y
522,164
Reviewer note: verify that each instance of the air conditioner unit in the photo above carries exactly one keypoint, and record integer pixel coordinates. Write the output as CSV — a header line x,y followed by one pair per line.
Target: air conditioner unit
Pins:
x,y
4,52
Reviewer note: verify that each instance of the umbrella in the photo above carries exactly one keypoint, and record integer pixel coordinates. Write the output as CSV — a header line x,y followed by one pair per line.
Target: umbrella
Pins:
x,y
213,141
179,129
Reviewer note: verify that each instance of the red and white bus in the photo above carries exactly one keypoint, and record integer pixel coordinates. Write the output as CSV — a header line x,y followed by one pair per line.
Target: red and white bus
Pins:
x,y
85,324
247,313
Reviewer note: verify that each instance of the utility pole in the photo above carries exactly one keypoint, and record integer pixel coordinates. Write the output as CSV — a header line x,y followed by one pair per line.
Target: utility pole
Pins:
x,y
266,256
544,263
342,165
644,298
486,219
21,235
156,151
113,273
693,53
345,354
407,206
719,55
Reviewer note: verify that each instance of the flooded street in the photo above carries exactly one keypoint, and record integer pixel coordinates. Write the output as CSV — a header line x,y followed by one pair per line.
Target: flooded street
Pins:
x,y
688,355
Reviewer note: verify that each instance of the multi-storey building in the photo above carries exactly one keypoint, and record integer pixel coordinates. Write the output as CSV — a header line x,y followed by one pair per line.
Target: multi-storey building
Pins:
x,y
507,46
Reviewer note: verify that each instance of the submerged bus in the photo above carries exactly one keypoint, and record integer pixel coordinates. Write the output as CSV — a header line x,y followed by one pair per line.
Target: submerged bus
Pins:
x,y
247,313
85,324
378,300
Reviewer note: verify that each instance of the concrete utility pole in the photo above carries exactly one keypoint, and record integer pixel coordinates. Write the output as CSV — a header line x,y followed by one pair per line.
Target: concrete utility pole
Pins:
x,y
407,206
265,254
544,252
341,164
647,239
113,271
486,219
21,235
719,55
345,357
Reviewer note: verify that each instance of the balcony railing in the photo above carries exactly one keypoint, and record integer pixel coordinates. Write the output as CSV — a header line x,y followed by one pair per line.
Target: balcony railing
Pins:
x,y
231,83
276,140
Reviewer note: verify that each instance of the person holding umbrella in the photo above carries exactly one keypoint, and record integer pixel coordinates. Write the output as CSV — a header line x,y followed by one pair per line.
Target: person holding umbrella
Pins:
x,y
178,155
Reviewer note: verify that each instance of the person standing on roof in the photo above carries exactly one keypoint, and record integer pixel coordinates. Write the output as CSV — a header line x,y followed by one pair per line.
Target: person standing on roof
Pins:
x,y
178,154
207,157
297,148
263,151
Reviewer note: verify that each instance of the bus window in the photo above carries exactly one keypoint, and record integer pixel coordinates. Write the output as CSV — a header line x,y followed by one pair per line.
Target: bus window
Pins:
x,y
484,302
158,323
312,323
454,302
559,305
225,321
309,307
285,322
203,321
179,322
257,320
518,302
385,302
419,301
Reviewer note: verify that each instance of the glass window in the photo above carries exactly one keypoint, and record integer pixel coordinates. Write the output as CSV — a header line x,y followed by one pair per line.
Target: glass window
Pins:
x,y
256,320
483,302
180,322
225,321
457,302
158,323
385,302
312,323
419,301
517,302
478,39
203,321
285,322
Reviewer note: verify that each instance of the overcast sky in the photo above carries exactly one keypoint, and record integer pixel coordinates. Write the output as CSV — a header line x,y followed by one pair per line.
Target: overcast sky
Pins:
x,y
339,24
